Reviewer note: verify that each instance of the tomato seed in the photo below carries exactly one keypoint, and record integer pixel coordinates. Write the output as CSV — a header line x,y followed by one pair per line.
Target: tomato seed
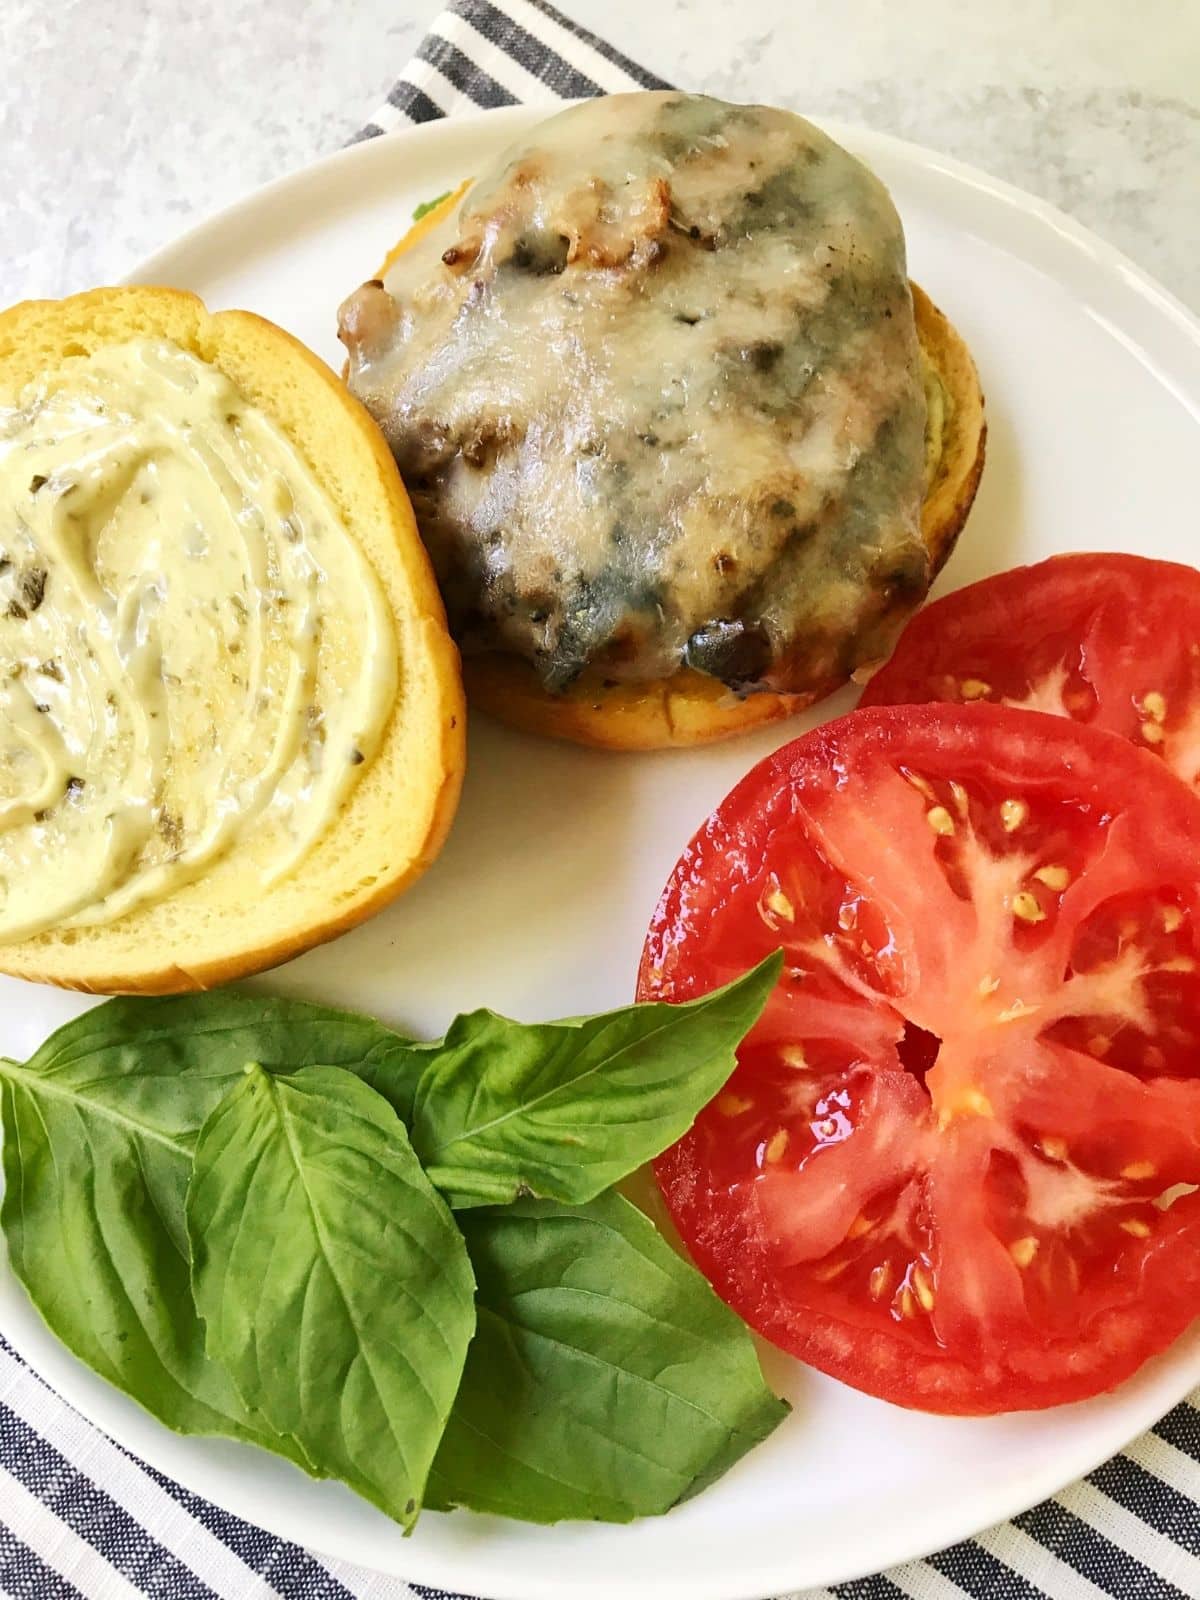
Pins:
x,y
1056,1149
1023,1250
1012,814
732,1105
1137,1170
792,1055
1016,1011
779,903
1136,1227
1154,705
1027,907
974,689
1053,877
776,1145
924,1288
880,1280
1152,733
940,820
859,1226
1172,918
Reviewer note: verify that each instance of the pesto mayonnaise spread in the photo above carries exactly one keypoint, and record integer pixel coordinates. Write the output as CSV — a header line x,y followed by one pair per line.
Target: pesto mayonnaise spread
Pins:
x,y
194,652
655,389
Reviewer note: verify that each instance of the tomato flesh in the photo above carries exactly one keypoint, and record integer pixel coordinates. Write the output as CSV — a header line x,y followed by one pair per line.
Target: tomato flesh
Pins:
x,y
956,1165
1109,640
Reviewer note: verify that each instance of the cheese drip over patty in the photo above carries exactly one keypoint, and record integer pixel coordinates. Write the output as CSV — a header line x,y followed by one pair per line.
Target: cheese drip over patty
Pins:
x,y
655,388
192,646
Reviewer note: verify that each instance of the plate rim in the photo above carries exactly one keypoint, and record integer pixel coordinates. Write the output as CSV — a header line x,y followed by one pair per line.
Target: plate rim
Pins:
x,y
430,1565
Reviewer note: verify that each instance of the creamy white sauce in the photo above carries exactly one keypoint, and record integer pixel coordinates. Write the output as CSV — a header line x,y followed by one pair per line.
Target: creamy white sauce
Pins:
x,y
192,646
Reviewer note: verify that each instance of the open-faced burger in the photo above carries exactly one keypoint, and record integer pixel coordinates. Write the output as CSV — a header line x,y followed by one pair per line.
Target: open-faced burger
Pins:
x,y
685,445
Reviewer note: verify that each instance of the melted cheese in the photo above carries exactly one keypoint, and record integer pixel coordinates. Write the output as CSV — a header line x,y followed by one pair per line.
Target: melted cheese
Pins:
x,y
192,647
656,390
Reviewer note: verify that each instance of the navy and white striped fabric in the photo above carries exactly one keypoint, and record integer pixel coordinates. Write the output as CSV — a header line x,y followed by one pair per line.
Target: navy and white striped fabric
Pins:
x,y
81,1519
487,53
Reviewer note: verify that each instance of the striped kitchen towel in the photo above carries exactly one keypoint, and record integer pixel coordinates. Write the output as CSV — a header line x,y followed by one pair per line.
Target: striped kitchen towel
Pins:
x,y
81,1519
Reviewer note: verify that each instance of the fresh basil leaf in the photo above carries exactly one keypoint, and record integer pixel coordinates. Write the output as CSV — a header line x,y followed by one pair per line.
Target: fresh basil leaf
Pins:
x,y
605,1381
93,1208
163,1064
335,1288
563,1110
427,206
98,1130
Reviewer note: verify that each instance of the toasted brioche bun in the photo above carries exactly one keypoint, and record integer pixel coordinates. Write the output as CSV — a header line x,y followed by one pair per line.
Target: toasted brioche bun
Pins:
x,y
224,925
689,707
955,430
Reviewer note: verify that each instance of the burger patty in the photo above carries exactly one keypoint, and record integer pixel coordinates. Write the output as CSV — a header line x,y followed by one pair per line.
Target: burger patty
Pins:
x,y
655,390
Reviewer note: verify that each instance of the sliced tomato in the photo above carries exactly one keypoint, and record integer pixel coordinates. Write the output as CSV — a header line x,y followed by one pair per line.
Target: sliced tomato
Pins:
x,y
1110,640
957,1163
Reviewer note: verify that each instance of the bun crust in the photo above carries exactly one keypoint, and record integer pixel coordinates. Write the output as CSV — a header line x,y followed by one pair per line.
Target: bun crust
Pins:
x,y
955,453
691,708
224,926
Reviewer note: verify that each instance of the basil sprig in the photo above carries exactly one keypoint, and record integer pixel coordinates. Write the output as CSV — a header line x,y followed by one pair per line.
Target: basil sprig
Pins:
x,y
235,1209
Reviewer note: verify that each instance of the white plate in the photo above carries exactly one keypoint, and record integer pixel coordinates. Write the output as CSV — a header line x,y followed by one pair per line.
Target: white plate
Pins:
x,y
540,901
